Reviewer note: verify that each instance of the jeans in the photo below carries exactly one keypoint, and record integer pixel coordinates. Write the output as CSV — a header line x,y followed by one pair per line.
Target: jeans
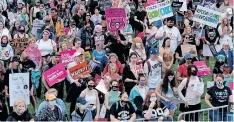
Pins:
x,y
215,115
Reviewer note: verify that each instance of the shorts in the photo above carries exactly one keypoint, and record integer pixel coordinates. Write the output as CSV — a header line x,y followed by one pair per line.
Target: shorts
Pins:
x,y
170,105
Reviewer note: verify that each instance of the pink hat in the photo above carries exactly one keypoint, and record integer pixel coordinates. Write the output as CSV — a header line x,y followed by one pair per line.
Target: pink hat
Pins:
x,y
98,28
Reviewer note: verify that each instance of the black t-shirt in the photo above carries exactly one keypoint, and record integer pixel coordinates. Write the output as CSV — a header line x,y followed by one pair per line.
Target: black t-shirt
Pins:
x,y
78,20
157,111
122,113
211,35
140,16
219,97
217,70
26,65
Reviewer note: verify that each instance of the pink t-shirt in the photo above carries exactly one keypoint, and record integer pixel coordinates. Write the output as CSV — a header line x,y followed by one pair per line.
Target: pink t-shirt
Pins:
x,y
34,55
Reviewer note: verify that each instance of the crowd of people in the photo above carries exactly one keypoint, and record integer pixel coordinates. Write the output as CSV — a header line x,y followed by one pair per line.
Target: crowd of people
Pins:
x,y
143,66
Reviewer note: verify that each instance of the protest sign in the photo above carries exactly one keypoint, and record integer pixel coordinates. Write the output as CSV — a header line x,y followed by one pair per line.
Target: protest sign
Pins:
x,y
101,87
66,57
176,4
159,11
116,18
188,49
105,4
19,87
231,85
206,16
79,69
54,74
202,68
207,51
19,45
138,68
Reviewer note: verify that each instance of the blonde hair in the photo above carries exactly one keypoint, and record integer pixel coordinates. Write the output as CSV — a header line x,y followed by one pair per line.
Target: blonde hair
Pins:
x,y
223,25
52,91
110,66
31,39
61,44
17,102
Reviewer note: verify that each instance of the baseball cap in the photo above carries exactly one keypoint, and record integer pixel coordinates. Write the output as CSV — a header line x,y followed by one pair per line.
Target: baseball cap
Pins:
x,y
154,51
77,54
140,5
188,56
81,100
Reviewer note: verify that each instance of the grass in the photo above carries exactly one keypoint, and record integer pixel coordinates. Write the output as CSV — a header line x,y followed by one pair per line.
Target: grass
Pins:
x,y
175,118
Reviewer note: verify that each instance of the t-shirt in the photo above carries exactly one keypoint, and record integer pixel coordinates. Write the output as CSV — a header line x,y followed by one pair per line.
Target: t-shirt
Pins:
x,y
156,111
183,70
155,73
122,113
46,47
96,19
140,16
98,56
211,35
26,65
219,97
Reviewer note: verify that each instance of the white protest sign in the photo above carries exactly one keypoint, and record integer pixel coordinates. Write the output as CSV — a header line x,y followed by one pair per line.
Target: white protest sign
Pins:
x,y
19,87
101,87
159,11
206,49
206,16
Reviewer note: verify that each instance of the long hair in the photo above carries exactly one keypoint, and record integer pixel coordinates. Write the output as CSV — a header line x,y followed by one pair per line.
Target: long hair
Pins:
x,y
164,42
189,72
223,25
147,99
5,36
166,80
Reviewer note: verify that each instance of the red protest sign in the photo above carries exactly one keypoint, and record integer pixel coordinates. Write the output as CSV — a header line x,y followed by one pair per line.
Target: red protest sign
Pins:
x,y
202,68
79,69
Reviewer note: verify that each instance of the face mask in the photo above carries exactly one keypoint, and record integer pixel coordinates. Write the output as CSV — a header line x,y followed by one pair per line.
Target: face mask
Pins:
x,y
21,31
83,107
114,88
221,63
170,26
52,103
142,83
138,45
20,111
4,44
194,73
219,84
153,99
90,87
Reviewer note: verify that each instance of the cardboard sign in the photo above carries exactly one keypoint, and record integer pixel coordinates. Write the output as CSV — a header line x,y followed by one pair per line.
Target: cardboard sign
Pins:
x,y
210,51
54,74
19,45
79,69
206,16
66,57
188,49
116,18
19,87
159,11
202,68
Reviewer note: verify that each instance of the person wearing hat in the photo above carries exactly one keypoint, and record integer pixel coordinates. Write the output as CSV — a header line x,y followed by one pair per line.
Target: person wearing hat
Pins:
x,y
76,86
182,69
139,19
221,67
59,85
153,68
82,113
52,112
228,53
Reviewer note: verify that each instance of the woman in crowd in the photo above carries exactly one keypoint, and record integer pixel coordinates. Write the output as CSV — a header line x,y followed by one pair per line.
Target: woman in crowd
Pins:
x,y
6,50
224,6
213,99
166,53
129,73
98,36
122,110
138,94
190,91
111,97
97,54
112,73
113,58
226,37
127,32
77,46
21,33
138,48
219,67
166,89
154,109
4,31
52,112
91,96
23,16
20,112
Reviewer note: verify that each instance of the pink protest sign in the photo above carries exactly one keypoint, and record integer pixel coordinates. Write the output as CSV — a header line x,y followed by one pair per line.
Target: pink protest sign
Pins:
x,y
116,18
66,57
202,68
54,74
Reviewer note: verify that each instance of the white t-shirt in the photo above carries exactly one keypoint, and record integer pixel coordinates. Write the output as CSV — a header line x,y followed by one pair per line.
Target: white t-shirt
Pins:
x,y
46,47
173,33
155,74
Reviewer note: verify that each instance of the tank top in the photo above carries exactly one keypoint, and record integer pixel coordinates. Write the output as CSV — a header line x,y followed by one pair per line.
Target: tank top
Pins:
x,y
113,97
91,98
35,10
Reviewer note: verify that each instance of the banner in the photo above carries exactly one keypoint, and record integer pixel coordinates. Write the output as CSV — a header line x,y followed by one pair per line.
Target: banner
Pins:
x,y
66,57
116,18
207,50
206,16
54,74
79,69
19,45
19,87
188,49
202,68
159,11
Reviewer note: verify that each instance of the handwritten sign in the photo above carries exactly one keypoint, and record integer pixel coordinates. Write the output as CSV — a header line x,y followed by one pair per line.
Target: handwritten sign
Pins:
x,y
19,87
66,57
54,74
202,68
159,11
19,45
207,51
176,4
188,49
101,87
79,69
116,18
206,16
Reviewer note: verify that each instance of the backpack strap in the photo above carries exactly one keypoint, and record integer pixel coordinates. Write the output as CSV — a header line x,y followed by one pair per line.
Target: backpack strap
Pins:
x,y
149,66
